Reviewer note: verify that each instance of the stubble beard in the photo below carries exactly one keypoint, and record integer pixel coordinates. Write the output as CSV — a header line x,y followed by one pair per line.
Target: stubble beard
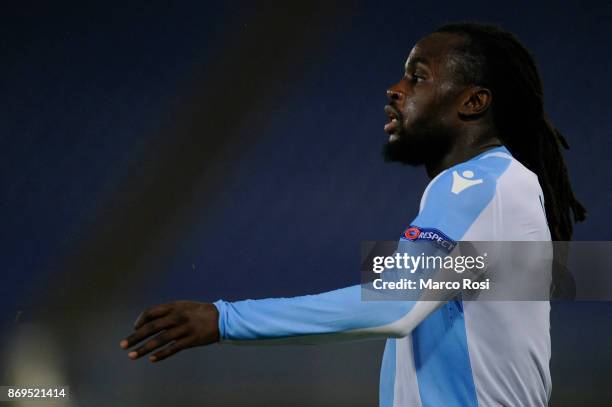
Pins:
x,y
422,148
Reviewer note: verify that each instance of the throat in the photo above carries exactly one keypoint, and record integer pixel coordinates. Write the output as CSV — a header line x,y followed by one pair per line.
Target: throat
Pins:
x,y
460,154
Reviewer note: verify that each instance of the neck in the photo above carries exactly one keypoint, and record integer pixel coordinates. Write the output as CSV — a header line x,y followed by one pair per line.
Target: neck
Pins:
x,y
466,147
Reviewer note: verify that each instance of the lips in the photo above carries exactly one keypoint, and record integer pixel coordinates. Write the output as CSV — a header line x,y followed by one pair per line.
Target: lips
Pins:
x,y
395,119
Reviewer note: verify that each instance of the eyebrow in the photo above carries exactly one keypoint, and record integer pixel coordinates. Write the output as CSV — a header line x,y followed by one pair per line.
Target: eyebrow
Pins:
x,y
416,60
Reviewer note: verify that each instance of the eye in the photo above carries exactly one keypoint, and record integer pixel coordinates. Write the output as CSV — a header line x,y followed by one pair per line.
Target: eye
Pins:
x,y
417,78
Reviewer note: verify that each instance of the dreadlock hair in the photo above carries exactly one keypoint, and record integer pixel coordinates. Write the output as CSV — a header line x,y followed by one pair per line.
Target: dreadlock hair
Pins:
x,y
496,59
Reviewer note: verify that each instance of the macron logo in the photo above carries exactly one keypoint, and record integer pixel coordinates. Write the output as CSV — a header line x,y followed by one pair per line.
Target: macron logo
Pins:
x,y
463,181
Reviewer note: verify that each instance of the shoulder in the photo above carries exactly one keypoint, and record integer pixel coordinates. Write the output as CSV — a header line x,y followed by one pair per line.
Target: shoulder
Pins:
x,y
468,184
457,196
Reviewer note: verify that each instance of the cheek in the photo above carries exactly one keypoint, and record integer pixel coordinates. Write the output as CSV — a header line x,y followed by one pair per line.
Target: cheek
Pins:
x,y
446,95
432,109
413,106
416,110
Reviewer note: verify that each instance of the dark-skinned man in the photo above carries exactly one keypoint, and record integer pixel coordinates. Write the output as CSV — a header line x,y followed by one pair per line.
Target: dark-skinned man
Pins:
x,y
470,109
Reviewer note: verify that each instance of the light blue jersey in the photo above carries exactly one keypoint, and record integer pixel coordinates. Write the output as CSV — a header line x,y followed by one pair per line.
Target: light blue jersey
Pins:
x,y
476,353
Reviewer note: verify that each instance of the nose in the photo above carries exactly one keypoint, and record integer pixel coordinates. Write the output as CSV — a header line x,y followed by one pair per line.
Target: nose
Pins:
x,y
395,95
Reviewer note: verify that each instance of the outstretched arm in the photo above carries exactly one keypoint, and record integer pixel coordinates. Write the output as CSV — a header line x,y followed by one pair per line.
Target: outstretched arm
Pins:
x,y
339,314
330,316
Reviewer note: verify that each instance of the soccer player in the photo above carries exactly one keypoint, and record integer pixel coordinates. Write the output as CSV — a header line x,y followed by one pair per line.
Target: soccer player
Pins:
x,y
470,109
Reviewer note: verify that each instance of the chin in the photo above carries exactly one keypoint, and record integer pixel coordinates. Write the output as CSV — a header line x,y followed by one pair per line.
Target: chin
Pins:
x,y
416,148
400,148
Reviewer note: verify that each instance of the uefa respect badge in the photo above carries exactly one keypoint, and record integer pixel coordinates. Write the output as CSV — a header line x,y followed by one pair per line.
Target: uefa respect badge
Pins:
x,y
437,237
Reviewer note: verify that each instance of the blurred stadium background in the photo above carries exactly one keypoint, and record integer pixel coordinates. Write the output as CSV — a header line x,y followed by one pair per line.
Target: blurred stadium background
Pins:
x,y
228,150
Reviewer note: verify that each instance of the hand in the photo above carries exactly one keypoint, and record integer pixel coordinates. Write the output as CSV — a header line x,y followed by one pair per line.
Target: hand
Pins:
x,y
183,324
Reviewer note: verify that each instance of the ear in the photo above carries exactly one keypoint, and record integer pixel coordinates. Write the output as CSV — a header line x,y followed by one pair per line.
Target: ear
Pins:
x,y
476,101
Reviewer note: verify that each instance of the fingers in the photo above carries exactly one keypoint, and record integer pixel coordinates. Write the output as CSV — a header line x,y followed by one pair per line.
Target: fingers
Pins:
x,y
175,326
151,314
147,330
159,341
171,349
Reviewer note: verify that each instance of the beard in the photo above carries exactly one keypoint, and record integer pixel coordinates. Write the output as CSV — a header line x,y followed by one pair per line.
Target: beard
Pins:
x,y
417,149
